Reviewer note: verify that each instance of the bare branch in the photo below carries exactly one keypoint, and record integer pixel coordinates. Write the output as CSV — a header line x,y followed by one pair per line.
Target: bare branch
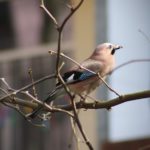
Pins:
x,y
110,103
28,86
6,84
32,81
74,133
48,13
145,35
73,104
112,90
88,143
72,11
51,109
130,62
60,29
86,105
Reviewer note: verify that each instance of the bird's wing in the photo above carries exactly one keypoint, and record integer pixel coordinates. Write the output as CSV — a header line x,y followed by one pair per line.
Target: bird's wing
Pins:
x,y
78,74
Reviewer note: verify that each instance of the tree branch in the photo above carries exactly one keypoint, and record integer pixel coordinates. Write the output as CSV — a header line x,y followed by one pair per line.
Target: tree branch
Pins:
x,y
60,29
28,86
48,13
110,103
86,105
131,62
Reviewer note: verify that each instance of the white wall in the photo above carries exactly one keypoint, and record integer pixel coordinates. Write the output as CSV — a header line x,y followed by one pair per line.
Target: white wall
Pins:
x,y
130,120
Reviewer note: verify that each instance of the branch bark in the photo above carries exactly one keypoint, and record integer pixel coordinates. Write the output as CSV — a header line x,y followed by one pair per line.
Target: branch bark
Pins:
x,y
112,102
101,104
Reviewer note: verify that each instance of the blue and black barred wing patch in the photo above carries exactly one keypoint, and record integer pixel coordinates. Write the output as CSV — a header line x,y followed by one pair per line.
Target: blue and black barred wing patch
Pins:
x,y
77,76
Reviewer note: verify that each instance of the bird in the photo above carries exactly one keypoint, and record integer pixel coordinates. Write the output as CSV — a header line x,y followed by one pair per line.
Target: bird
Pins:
x,y
83,79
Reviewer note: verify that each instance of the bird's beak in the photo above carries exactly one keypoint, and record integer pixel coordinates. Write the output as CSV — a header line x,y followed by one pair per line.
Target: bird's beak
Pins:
x,y
117,47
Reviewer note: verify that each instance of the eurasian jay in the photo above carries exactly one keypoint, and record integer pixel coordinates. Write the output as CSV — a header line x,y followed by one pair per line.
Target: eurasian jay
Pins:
x,y
83,80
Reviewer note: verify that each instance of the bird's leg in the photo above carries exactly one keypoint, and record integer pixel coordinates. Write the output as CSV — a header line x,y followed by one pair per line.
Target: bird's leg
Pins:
x,y
82,98
93,99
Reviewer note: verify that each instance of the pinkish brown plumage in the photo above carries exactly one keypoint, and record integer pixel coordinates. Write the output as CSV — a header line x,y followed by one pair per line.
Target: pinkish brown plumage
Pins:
x,y
80,80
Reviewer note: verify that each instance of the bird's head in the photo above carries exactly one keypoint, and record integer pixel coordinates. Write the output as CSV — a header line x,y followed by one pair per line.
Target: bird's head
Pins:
x,y
105,50
108,47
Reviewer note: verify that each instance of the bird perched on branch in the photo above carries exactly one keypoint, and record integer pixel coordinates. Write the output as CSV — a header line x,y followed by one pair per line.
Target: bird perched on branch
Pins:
x,y
84,78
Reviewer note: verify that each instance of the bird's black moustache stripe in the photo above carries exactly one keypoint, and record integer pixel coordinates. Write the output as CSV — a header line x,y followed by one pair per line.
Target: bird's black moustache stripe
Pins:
x,y
113,51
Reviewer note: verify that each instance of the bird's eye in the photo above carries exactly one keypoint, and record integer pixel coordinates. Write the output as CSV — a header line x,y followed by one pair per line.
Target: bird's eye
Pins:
x,y
110,46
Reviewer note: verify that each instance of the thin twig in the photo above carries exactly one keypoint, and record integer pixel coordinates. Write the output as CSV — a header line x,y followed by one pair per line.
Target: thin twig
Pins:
x,y
48,13
130,62
112,90
60,29
28,86
5,92
51,109
73,104
6,84
32,81
145,35
16,107
74,133
88,143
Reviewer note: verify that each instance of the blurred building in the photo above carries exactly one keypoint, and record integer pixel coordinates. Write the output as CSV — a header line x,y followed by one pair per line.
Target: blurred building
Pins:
x,y
128,23
26,35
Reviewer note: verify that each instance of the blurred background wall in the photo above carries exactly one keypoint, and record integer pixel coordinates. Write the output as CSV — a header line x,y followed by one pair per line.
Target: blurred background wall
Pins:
x,y
127,23
126,20
26,35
